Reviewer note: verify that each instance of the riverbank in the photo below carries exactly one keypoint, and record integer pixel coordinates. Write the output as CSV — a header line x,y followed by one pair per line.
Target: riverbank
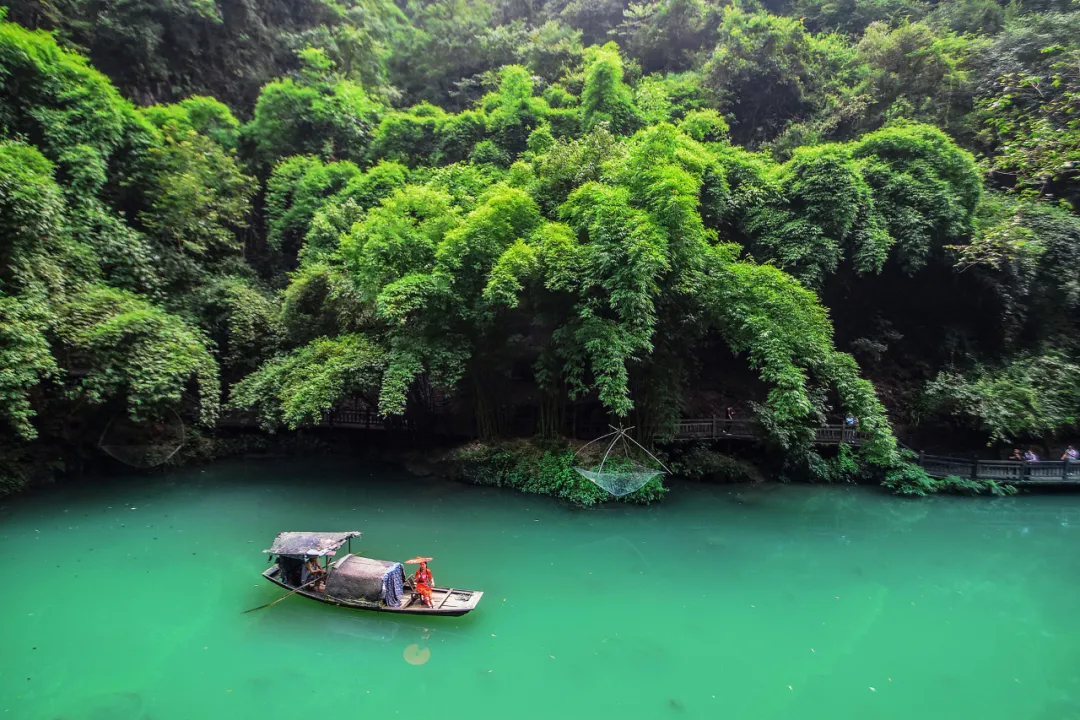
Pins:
x,y
542,466
536,465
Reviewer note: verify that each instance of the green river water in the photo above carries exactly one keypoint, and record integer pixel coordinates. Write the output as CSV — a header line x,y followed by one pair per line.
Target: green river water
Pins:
x,y
123,599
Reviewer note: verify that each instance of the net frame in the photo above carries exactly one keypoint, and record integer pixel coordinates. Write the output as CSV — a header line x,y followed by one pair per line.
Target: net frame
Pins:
x,y
117,452
640,472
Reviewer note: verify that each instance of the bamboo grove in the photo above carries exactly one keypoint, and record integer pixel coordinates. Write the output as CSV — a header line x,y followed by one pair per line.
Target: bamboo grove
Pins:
x,y
868,206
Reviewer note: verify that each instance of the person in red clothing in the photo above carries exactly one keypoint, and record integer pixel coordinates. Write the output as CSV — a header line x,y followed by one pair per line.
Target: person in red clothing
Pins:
x,y
424,582
422,579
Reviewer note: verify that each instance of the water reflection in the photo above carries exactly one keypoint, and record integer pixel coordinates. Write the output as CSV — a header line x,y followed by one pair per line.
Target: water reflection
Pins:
x,y
771,603
412,634
382,628
416,655
618,549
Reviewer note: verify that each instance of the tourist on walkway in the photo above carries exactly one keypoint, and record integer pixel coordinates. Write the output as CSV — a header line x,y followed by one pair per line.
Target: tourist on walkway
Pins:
x,y
1070,454
1030,456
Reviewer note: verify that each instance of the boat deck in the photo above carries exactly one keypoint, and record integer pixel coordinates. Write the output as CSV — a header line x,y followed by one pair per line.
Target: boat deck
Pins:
x,y
445,601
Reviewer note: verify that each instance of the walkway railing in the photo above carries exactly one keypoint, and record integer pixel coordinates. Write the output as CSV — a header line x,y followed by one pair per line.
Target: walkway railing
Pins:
x,y
939,466
364,419
691,429
1011,471
354,419
742,429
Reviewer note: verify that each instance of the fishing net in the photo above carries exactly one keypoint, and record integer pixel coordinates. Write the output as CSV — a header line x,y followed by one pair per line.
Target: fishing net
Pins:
x,y
625,465
142,444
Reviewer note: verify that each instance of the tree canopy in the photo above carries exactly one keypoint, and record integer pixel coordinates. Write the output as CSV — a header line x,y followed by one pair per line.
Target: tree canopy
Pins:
x,y
520,210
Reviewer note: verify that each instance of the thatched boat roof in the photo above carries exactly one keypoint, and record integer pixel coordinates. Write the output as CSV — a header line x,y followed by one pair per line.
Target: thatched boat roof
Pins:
x,y
309,544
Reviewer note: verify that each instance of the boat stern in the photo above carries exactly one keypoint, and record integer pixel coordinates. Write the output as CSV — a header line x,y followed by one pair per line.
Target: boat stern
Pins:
x,y
459,602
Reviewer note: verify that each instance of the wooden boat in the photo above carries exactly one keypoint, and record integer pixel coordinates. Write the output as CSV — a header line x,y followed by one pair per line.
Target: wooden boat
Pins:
x,y
354,581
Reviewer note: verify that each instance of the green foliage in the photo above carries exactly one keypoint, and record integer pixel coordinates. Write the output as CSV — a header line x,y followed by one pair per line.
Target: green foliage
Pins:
x,y
157,51
787,337
198,199
664,34
854,16
538,469
1024,252
919,72
301,387
702,463
670,97
765,70
296,189
443,44
605,97
537,219
568,164
1029,396
552,50
824,214
69,111
903,191
38,256
597,19
398,237
409,137
925,188
318,113
457,135
912,481
843,467
1031,116
512,112
137,353
203,115
26,360
704,126
242,320
985,17
323,301
374,184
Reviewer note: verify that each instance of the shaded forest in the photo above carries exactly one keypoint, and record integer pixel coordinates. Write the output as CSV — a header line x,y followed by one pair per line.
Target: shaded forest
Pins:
x,y
509,210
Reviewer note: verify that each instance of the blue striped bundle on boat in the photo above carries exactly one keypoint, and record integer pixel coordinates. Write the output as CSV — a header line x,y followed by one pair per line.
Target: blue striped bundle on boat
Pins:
x,y
392,584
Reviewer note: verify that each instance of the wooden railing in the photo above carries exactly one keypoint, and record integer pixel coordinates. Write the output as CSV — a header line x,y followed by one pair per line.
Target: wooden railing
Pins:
x,y
355,419
690,429
741,429
363,419
1010,471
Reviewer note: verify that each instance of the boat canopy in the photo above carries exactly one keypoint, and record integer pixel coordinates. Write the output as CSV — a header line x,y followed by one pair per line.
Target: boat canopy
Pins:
x,y
309,544
359,578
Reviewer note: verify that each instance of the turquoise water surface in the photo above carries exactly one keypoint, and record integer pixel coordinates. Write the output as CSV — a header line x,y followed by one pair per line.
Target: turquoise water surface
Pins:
x,y
124,599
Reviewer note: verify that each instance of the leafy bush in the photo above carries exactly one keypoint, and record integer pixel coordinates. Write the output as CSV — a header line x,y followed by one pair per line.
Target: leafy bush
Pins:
x,y
844,467
1029,396
702,463
301,387
319,113
203,447
532,468
137,352
912,480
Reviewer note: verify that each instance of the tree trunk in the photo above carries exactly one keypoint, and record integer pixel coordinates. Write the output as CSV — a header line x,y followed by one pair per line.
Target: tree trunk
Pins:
x,y
490,415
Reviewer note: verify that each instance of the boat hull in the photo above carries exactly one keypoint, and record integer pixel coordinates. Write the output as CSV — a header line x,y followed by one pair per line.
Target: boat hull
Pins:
x,y
452,602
